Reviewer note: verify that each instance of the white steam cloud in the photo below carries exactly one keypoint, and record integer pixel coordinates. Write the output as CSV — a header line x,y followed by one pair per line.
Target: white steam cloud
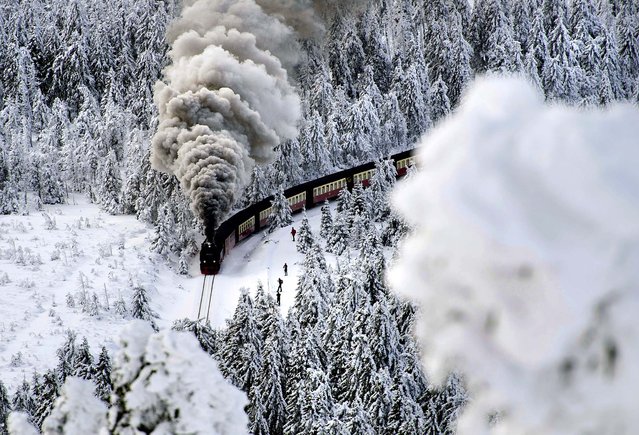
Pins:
x,y
226,101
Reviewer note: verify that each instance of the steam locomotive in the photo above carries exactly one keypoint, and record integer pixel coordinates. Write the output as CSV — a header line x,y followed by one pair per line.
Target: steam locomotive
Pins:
x,y
310,194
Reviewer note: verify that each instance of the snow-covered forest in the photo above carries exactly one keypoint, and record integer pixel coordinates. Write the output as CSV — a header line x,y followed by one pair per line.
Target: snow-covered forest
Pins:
x,y
77,78
77,116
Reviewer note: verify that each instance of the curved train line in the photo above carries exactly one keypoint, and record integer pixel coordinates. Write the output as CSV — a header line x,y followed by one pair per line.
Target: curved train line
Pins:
x,y
255,217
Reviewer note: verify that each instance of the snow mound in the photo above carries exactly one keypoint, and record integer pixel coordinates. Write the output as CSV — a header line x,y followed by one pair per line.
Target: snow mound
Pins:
x,y
525,257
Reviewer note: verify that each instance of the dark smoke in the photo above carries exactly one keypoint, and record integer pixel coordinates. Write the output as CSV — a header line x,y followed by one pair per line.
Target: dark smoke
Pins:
x,y
225,100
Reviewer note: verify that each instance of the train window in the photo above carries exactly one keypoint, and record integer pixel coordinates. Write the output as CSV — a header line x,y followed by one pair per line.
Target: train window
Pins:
x,y
247,225
265,214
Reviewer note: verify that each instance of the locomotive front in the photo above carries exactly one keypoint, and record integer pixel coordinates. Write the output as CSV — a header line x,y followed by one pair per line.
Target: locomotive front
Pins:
x,y
209,258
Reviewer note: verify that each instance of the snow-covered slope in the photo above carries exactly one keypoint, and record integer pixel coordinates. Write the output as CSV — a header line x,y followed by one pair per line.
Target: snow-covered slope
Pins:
x,y
92,253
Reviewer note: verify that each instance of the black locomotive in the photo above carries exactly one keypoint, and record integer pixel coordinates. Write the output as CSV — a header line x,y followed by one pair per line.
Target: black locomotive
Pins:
x,y
209,258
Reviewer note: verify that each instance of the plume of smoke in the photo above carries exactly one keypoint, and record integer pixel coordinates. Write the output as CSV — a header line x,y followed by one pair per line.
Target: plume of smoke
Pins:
x,y
225,101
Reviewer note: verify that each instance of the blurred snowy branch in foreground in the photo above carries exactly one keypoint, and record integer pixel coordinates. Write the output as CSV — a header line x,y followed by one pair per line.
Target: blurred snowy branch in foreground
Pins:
x,y
163,383
525,260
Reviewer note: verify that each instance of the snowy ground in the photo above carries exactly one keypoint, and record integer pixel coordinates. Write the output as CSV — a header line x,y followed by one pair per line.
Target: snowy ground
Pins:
x,y
90,252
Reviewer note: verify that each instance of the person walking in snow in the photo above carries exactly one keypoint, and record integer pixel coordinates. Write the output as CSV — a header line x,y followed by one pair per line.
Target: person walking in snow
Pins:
x,y
285,269
279,282
293,233
279,295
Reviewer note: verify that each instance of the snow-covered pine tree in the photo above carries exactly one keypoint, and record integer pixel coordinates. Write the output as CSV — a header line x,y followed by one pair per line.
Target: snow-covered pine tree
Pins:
x,y
23,400
326,223
316,160
522,23
562,74
362,130
83,361
304,235
102,376
9,202
209,338
438,99
407,86
495,46
241,350
109,183
281,213
5,408
394,129
538,42
357,419
163,238
66,357
272,380
316,404
49,392
140,307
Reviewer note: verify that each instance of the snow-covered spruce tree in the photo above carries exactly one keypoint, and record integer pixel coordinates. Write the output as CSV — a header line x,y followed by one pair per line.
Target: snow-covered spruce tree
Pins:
x,y
241,352
562,74
306,358
326,223
23,401
66,357
313,294
362,129
9,202
438,99
5,408
304,235
407,85
165,383
272,380
109,183
316,404
209,338
316,160
140,308
257,188
49,392
394,129
163,238
359,203
281,213
494,44
102,376
448,51
83,361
